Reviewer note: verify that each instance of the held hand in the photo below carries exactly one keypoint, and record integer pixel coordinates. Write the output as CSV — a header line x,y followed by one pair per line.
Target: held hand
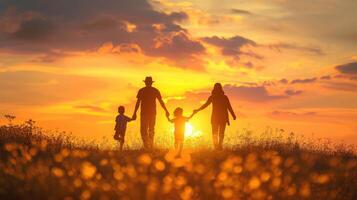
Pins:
x,y
234,117
167,114
134,116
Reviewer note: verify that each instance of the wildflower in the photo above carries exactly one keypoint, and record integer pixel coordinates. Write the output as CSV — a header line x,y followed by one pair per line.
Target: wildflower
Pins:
x,y
159,165
305,190
144,159
254,183
88,170
85,194
57,172
227,193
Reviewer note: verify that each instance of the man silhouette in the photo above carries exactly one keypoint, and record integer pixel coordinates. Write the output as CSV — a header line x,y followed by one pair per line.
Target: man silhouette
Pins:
x,y
147,98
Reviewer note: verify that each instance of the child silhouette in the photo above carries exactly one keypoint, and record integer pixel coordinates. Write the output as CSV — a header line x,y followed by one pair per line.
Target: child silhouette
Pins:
x,y
179,123
120,126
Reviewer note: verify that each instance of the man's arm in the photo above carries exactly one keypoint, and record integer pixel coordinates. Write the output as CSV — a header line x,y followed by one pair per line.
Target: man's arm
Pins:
x,y
164,107
170,120
158,96
136,108
138,101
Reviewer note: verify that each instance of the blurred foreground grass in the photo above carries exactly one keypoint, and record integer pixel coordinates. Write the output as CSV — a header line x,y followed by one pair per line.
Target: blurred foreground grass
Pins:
x,y
42,166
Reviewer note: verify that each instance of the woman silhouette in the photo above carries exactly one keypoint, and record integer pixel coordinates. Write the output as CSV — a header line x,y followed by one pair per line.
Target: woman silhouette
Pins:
x,y
219,118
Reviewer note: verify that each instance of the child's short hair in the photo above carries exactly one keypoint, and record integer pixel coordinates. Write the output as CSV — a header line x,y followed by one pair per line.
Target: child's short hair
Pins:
x,y
121,109
178,112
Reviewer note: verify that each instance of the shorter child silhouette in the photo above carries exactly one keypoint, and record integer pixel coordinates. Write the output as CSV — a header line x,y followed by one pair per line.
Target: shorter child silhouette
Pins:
x,y
120,126
179,123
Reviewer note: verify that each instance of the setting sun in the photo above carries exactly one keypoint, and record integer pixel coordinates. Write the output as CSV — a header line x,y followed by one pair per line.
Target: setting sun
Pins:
x,y
190,131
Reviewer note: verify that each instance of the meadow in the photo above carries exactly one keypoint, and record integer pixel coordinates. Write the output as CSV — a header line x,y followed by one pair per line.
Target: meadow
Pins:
x,y
36,164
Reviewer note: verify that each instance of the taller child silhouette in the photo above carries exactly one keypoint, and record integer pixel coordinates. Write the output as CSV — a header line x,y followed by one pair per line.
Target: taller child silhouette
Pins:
x,y
147,99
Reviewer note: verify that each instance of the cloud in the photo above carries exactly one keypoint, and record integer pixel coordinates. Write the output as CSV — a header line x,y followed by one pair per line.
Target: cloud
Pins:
x,y
229,46
40,88
291,92
289,115
283,81
103,24
40,27
252,93
34,29
232,48
343,86
303,81
240,11
308,49
180,47
349,68
326,77
49,57
90,108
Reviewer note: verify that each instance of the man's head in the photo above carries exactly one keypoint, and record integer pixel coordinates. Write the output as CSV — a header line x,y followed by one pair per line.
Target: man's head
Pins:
x,y
148,81
121,110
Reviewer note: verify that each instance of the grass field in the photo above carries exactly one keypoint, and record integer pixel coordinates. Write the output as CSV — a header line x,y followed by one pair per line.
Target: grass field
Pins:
x,y
35,165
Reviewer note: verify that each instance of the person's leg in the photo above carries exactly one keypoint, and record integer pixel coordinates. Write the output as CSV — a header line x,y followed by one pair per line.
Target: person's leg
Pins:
x,y
180,147
151,131
121,143
176,141
144,125
222,128
215,134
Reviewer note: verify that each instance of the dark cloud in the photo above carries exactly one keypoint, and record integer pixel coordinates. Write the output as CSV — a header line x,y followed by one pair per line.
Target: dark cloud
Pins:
x,y
349,68
178,46
342,86
103,24
240,12
128,48
290,115
326,77
253,94
304,81
34,29
284,81
309,49
49,57
232,48
90,108
41,26
291,92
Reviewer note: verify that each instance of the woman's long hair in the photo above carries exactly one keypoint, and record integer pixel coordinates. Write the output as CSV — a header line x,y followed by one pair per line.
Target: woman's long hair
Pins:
x,y
217,90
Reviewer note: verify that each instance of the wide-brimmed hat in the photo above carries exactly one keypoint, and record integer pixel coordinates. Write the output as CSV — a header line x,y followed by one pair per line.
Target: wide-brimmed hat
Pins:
x,y
148,79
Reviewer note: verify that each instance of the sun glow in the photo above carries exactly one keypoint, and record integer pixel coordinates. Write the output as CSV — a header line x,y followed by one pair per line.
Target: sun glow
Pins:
x,y
190,131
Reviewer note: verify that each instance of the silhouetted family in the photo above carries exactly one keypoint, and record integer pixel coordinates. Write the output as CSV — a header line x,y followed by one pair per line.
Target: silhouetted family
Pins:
x,y
146,98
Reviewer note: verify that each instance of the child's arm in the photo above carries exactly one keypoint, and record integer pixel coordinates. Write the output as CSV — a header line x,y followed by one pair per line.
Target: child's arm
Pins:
x,y
188,118
116,124
128,119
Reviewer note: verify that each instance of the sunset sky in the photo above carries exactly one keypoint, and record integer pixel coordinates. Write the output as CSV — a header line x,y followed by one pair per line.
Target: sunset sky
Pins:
x,y
284,64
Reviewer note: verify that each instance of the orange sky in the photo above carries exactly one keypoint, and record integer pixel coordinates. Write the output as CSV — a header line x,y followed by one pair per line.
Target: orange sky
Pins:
x,y
285,64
